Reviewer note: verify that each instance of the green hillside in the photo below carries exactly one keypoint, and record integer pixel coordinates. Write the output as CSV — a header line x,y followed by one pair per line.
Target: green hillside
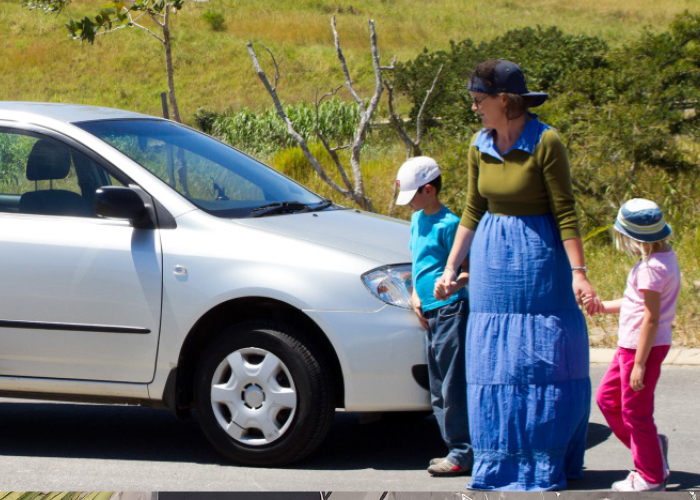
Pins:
x,y
213,70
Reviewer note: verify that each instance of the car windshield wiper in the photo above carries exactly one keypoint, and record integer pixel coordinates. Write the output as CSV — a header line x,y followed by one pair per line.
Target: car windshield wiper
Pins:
x,y
325,203
280,208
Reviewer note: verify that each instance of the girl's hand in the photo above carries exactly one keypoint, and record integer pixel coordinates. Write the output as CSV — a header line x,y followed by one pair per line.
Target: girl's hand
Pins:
x,y
594,304
637,377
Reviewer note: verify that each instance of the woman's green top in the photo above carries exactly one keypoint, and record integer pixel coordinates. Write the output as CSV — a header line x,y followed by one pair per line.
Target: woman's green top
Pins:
x,y
532,178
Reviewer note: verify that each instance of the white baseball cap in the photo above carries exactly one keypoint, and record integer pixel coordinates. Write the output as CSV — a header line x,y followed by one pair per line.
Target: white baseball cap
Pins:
x,y
414,174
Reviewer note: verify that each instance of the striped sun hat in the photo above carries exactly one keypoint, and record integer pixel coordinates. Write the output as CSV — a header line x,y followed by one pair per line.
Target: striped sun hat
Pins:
x,y
642,220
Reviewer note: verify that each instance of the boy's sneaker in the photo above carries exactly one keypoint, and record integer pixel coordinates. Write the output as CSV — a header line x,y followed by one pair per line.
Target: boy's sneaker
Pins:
x,y
635,482
447,468
663,440
435,461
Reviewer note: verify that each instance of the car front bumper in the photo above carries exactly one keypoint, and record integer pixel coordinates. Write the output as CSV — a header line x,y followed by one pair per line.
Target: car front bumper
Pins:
x,y
382,356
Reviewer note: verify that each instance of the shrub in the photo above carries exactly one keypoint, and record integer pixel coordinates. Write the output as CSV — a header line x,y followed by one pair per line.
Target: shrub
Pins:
x,y
215,20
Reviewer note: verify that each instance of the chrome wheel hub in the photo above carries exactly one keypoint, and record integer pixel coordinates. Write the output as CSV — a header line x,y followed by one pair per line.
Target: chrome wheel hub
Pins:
x,y
253,396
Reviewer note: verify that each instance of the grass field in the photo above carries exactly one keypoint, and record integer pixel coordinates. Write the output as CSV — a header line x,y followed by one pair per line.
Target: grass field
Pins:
x,y
213,70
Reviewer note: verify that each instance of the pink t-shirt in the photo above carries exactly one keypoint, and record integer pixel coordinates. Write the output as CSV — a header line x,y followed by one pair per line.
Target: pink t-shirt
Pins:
x,y
660,273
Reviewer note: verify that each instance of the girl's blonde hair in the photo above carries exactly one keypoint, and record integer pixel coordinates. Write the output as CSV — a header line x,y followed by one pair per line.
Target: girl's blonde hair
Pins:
x,y
635,248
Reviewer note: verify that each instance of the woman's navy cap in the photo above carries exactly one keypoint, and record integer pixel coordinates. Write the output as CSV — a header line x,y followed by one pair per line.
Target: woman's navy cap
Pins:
x,y
642,220
509,78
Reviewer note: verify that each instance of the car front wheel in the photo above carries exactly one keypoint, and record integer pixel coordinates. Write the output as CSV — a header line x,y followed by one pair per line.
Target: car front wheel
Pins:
x,y
262,394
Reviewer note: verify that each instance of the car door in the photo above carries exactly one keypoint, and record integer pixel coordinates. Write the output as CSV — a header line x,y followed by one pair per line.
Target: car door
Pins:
x,y
80,296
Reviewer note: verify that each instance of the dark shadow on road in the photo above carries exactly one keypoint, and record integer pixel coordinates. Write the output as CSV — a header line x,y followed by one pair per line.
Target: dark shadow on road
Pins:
x,y
597,434
395,442
101,432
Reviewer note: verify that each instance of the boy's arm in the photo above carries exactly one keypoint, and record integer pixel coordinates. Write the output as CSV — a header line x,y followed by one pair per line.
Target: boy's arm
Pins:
x,y
417,308
647,335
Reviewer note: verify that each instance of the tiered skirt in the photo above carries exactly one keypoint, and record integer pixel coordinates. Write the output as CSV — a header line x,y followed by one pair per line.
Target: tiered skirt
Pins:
x,y
528,385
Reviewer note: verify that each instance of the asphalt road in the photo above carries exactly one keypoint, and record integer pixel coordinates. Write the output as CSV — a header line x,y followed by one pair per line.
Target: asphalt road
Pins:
x,y
62,447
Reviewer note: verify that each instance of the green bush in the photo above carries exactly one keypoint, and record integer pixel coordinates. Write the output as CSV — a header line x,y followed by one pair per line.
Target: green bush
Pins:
x,y
215,20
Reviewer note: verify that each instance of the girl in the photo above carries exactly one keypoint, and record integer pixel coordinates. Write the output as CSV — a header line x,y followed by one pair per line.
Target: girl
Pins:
x,y
647,309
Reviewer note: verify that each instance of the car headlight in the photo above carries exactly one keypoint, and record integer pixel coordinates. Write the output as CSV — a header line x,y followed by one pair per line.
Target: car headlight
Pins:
x,y
391,284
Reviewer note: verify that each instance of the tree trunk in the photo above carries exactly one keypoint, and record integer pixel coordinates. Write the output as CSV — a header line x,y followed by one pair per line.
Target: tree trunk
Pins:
x,y
169,66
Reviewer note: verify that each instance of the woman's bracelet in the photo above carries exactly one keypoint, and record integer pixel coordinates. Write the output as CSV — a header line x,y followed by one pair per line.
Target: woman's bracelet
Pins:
x,y
580,268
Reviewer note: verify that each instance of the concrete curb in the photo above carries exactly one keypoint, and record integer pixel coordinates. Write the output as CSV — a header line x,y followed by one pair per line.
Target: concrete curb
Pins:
x,y
676,356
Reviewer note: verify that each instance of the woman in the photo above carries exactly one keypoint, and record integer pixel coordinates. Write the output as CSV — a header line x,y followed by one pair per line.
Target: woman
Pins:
x,y
528,386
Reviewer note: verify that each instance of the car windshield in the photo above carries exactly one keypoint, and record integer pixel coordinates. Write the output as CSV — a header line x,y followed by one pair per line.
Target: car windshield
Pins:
x,y
215,177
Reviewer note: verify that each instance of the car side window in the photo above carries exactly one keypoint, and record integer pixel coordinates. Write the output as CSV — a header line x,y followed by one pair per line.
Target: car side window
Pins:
x,y
41,175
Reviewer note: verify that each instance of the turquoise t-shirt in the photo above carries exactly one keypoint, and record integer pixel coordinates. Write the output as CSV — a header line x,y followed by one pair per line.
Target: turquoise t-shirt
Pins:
x,y
431,241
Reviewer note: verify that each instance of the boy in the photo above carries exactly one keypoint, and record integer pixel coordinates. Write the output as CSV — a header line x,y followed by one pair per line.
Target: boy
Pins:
x,y
433,228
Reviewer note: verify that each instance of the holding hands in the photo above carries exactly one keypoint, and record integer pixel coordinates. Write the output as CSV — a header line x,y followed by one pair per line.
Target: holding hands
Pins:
x,y
450,282
597,306
446,285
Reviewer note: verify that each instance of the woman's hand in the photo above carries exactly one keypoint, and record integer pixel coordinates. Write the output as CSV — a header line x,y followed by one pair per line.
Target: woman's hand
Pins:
x,y
585,294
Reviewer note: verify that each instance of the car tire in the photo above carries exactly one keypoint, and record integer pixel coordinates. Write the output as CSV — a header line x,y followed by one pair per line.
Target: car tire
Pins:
x,y
262,394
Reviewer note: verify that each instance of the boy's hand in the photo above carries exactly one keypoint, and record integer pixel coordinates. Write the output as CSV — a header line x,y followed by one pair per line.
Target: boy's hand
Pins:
x,y
440,291
446,285
637,377
415,302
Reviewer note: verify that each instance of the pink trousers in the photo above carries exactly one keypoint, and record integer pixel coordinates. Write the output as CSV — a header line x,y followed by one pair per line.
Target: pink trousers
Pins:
x,y
630,413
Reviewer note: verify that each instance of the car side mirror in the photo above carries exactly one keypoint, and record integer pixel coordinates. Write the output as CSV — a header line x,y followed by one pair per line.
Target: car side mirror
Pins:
x,y
118,202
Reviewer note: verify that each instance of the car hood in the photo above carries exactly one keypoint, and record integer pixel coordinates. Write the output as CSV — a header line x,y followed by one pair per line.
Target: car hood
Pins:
x,y
374,236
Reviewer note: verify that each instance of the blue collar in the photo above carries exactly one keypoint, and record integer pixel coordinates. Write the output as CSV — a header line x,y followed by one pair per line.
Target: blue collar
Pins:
x,y
528,140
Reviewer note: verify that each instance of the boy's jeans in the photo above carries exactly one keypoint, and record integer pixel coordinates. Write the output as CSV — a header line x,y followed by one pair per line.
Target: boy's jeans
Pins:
x,y
447,327
630,413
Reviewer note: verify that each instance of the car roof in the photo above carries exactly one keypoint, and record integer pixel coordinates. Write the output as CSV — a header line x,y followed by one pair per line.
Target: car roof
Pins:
x,y
71,113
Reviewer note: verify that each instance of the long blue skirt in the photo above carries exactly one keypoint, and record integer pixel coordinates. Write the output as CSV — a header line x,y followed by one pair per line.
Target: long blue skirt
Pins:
x,y
528,385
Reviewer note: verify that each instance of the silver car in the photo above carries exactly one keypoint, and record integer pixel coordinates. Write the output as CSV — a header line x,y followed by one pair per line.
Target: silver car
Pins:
x,y
143,262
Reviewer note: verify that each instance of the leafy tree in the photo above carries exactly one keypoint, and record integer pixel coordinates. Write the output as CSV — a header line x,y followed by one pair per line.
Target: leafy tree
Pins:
x,y
113,16
545,55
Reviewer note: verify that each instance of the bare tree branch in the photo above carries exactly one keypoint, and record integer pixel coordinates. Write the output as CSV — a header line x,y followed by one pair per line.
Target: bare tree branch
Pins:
x,y
419,117
277,67
290,127
131,25
333,152
412,146
365,114
397,123
356,192
344,67
390,67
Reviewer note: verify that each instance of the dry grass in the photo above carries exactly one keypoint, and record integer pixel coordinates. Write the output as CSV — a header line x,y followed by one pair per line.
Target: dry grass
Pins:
x,y
125,69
